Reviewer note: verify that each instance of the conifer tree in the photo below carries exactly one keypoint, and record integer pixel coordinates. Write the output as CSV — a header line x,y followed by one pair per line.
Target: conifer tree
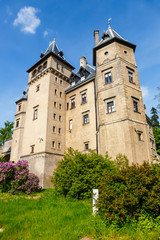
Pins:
x,y
154,117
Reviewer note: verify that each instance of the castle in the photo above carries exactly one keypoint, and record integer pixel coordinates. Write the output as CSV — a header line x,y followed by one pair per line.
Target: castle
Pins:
x,y
97,108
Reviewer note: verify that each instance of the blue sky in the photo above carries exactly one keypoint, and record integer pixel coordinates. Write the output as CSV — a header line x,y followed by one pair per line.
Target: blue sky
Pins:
x,y
27,26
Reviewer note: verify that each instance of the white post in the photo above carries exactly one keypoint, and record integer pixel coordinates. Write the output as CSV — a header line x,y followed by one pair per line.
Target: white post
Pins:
x,y
95,198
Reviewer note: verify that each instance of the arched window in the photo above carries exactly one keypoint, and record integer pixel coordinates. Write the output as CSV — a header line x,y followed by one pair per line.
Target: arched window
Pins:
x,y
40,69
45,65
34,73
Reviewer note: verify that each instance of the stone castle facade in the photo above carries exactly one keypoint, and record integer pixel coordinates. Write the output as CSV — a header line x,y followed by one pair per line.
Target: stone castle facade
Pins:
x,y
99,108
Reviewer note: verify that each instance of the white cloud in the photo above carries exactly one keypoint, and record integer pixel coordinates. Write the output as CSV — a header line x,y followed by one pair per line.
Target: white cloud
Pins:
x,y
28,20
145,91
45,33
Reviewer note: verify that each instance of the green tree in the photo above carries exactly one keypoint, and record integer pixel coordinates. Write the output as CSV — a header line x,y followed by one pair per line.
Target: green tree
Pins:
x,y
156,132
154,117
6,132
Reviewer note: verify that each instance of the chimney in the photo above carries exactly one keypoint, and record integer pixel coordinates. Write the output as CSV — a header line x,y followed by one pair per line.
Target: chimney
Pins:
x,y
83,62
96,37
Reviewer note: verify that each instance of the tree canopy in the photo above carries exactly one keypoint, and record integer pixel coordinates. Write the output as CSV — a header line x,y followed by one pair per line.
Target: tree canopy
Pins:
x,y
154,117
6,132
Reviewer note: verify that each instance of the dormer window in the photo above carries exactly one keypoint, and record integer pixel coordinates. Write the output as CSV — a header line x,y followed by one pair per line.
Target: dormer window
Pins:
x,y
82,78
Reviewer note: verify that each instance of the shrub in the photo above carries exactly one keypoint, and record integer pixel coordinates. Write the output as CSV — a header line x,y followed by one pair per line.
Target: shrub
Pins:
x,y
78,173
6,175
16,178
128,192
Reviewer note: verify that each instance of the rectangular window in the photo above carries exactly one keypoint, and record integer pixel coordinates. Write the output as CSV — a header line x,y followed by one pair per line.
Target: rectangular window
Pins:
x,y
35,114
54,129
37,88
110,107
17,123
59,130
19,107
135,105
140,135
84,98
130,76
73,103
86,146
32,148
70,124
54,116
55,104
59,145
53,144
60,94
67,107
55,91
85,118
108,78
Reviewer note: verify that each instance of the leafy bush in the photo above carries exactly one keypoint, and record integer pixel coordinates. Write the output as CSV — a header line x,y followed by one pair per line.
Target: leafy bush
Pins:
x,y
6,175
16,178
128,192
2,159
78,173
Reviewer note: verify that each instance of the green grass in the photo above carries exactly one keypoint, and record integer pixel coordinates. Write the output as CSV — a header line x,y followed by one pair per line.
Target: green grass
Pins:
x,y
48,216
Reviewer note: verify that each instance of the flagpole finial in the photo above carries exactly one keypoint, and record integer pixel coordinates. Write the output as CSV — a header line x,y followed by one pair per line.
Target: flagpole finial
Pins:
x,y
109,20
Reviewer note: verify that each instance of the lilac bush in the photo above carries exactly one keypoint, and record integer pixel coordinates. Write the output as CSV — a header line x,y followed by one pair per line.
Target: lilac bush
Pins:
x,y
6,175
16,178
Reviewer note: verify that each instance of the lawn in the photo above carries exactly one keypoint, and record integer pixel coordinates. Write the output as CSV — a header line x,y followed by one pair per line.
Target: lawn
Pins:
x,y
43,216
48,216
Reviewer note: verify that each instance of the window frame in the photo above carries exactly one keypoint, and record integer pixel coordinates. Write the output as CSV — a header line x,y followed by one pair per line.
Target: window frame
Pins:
x,y
73,103
86,146
19,107
35,114
109,77
32,148
17,123
136,107
70,124
83,97
85,118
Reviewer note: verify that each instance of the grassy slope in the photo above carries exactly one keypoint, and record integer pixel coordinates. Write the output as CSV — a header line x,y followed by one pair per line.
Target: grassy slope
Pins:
x,y
48,217
52,217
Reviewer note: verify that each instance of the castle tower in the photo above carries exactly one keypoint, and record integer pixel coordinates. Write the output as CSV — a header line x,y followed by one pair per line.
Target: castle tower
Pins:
x,y
43,143
18,131
121,119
